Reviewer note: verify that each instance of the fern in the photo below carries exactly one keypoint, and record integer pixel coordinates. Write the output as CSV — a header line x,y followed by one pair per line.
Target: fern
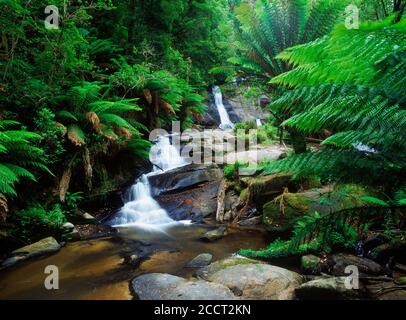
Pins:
x,y
18,155
360,100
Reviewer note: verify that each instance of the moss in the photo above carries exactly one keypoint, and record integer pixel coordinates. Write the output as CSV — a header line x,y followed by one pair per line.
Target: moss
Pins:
x,y
244,194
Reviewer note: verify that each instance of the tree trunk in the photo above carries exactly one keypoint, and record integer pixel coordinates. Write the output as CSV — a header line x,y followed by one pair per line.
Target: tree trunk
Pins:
x,y
298,140
399,8
131,25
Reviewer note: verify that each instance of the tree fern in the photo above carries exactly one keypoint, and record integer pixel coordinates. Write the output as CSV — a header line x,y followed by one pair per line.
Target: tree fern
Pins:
x,y
352,84
18,155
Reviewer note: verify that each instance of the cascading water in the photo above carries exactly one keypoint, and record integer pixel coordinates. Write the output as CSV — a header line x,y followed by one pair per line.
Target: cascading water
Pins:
x,y
259,122
141,210
224,118
164,156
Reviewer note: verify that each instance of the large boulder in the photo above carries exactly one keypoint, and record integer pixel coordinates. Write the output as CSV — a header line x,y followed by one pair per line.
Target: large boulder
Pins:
x,y
194,204
387,290
43,247
251,279
327,288
214,235
295,205
161,286
200,261
365,266
184,178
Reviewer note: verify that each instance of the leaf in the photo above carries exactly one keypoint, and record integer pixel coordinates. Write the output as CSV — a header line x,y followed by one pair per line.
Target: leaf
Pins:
x,y
76,135
374,201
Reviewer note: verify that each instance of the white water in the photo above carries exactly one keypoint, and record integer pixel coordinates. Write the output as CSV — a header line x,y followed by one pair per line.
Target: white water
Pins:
x,y
141,209
224,118
259,123
164,156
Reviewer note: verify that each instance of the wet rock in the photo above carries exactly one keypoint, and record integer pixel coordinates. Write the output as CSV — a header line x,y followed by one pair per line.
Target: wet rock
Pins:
x,y
387,290
310,264
68,227
74,235
194,204
43,247
93,231
214,235
200,261
331,288
155,286
324,201
161,286
250,222
88,218
184,178
364,265
258,281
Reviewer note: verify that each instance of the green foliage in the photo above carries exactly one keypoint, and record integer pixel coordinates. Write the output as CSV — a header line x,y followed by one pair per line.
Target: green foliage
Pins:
x,y
17,154
312,233
231,170
360,100
37,219
271,26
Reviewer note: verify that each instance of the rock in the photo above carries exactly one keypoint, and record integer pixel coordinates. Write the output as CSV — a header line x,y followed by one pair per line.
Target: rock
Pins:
x,y
261,189
134,260
193,204
387,290
206,272
74,235
200,261
201,290
68,227
250,222
43,247
184,178
331,288
214,235
88,218
324,201
160,286
256,281
364,265
398,294
93,231
395,248
310,264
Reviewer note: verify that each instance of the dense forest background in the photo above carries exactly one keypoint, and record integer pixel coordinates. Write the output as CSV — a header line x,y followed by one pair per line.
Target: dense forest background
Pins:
x,y
77,102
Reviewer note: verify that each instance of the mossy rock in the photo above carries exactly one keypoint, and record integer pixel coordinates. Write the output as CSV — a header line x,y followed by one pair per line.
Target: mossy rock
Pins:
x,y
324,201
216,266
309,264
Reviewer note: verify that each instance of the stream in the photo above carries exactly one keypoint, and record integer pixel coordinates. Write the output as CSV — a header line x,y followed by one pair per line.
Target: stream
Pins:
x,y
96,269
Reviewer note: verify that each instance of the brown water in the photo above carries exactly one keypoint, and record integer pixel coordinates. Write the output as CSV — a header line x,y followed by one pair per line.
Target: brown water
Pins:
x,y
94,269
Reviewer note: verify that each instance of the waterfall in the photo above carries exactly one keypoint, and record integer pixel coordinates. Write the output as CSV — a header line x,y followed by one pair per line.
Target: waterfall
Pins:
x,y
164,156
259,123
224,118
141,209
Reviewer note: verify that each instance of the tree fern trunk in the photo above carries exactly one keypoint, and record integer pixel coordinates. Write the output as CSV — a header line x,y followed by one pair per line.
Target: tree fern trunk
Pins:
x,y
298,140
